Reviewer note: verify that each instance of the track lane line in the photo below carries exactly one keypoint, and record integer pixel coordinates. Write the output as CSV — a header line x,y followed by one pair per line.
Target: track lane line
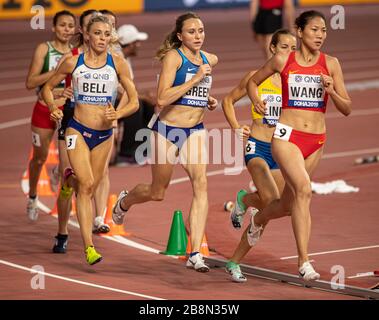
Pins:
x,y
85,283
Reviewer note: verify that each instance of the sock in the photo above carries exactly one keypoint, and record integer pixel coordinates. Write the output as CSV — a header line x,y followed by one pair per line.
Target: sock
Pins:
x,y
193,253
62,236
32,197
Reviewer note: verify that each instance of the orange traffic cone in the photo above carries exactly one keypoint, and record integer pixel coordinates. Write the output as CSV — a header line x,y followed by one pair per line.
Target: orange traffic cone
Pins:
x,y
73,207
44,186
54,212
116,230
204,250
52,157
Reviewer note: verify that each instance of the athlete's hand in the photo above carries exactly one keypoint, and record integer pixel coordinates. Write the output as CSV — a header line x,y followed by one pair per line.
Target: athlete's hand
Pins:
x,y
212,103
110,112
243,132
328,83
56,114
204,70
67,93
260,106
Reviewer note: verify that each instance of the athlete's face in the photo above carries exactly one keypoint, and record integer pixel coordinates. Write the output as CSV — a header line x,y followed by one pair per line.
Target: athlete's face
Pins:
x,y
65,28
285,45
112,20
99,34
192,35
85,25
314,33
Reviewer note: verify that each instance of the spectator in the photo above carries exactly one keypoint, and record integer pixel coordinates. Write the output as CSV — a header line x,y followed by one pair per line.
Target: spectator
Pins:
x,y
130,41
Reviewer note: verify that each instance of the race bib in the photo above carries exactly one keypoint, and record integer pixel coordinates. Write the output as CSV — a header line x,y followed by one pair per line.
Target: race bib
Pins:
x,y
282,132
198,95
273,108
305,91
250,147
71,141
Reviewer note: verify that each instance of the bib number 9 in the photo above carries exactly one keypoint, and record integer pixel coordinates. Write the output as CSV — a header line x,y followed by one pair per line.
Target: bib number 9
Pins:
x,y
282,132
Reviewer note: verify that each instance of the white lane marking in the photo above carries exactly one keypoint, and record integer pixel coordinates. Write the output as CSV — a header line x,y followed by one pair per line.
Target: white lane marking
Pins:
x,y
89,284
14,123
349,153
333,251
362,274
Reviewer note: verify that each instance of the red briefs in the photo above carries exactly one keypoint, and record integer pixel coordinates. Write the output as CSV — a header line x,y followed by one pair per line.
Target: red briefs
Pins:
x,y
41,117
308,143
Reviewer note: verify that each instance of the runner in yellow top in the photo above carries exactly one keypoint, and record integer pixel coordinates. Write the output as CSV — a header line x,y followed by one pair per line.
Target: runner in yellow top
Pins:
x,y
258,158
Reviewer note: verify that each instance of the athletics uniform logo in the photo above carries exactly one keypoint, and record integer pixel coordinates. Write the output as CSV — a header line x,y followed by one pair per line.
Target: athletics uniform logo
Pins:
x,y
305,91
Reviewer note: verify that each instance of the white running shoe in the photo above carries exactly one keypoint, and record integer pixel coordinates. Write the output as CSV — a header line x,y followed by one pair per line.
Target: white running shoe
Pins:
x,y
197,262
32,209
99,226
235,271
254,232
238,211
118,213
307,272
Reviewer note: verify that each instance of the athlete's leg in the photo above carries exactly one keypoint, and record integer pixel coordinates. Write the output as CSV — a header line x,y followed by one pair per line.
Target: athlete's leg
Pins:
x,y
293,167
193,158
162,168
89,167
64,199
41,142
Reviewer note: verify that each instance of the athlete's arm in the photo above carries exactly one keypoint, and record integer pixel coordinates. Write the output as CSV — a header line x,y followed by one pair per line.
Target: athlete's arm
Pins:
x,y
289,13
167,94
253,9
232,97
335,86
47,91
129,101
273,65
34,77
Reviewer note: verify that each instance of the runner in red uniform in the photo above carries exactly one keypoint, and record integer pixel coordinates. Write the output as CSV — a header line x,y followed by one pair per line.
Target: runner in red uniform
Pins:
x,y
308,78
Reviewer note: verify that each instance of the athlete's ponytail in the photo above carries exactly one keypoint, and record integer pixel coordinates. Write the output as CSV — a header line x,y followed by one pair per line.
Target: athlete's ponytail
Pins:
x,y
172,41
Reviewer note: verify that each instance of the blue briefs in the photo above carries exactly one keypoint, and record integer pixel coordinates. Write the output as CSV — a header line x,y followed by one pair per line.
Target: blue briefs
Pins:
x,y
92,137
258,149
174,134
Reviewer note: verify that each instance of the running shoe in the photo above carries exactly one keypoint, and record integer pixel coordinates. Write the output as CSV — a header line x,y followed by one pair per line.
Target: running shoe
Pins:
x,y
239,209
92,256
99,226
32,209
60,245
118,213
235,271
197,262
254,232
307,272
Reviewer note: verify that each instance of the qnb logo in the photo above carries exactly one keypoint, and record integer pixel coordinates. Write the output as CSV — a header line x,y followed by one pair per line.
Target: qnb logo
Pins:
x,y
190,3
298,78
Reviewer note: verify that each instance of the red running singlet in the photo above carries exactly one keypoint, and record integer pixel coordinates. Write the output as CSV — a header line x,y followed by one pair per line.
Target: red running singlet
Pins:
x,y
302,87
271,4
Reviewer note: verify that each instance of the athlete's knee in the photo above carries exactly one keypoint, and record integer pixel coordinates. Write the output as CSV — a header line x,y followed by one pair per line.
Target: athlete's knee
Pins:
x,y
266,199
200,184
303,190
86,187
